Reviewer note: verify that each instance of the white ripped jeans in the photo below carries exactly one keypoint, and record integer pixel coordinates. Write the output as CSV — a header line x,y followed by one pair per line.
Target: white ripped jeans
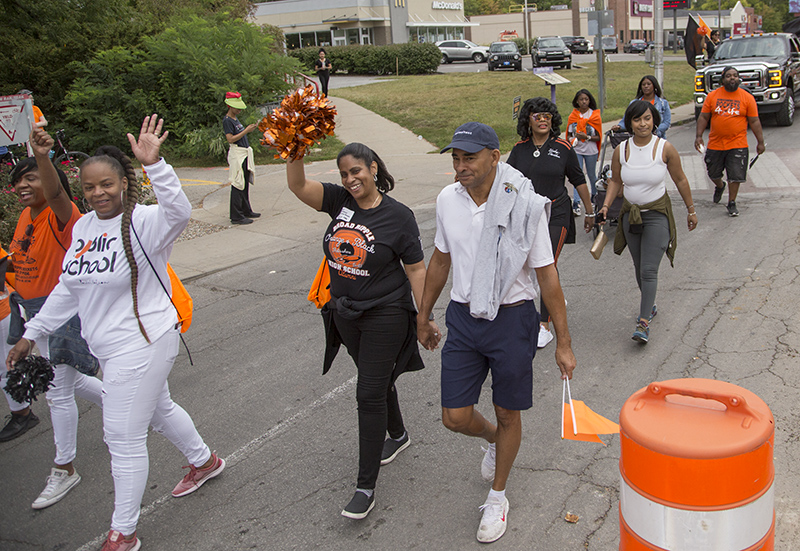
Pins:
x,y
136,395
5,348
68,383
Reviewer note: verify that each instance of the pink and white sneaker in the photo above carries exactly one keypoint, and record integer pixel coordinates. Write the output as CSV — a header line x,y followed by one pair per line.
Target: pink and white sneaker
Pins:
x,y
197,477
116,542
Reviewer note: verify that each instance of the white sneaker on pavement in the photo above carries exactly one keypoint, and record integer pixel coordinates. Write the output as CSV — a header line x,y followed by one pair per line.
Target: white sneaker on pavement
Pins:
x,y
494,521
545,336
59,483
488,463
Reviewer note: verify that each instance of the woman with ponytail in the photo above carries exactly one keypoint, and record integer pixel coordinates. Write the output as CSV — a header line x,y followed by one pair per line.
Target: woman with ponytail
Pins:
x,y
128,318
375,259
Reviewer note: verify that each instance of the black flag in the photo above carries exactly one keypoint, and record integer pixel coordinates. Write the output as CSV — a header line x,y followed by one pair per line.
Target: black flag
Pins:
x,y
690,41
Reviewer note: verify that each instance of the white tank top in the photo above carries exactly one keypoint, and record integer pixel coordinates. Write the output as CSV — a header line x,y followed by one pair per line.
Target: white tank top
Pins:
x,y
643,176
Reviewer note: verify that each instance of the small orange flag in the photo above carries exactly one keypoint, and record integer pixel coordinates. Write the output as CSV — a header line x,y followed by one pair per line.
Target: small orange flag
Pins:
x,y
579,422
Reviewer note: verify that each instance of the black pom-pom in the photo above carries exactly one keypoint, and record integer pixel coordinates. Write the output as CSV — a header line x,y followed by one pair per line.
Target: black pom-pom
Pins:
x,y
30,377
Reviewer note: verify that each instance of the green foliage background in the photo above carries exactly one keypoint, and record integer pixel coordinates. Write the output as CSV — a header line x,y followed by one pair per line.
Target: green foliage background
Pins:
x,y
408,59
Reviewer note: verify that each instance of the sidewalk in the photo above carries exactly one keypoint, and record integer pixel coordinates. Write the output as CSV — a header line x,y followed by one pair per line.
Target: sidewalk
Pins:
x,y
420,173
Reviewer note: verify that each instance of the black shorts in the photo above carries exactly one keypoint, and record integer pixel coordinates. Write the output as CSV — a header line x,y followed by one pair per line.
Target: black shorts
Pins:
x,y
734,161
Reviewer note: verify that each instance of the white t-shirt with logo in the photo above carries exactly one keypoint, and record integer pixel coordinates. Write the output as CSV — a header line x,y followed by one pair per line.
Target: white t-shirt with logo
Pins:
x,y
96,279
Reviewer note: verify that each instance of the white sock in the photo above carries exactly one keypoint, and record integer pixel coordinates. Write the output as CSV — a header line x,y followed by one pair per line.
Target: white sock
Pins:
x,y
495,495
367,492
401,437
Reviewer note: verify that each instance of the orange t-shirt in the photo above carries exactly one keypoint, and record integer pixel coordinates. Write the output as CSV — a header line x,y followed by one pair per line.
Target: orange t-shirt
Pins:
x,y
4,308
729,112
39,248
37,114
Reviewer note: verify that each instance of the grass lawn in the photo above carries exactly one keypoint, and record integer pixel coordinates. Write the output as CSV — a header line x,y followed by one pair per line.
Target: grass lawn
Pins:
x,y
434,105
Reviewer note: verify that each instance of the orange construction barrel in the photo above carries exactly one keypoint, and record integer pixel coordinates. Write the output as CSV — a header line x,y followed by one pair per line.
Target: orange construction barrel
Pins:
x,y
696,468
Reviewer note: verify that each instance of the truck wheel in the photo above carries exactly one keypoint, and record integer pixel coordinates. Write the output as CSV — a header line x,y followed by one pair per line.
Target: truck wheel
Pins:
x,y
697,110
568,65
785,117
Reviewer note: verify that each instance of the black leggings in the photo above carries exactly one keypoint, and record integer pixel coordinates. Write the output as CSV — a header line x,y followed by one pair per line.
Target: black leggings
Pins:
x,y
240,198
374,341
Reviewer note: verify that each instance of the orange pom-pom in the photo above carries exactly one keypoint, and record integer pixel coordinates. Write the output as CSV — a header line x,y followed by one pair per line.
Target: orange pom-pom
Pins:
x,y
303,118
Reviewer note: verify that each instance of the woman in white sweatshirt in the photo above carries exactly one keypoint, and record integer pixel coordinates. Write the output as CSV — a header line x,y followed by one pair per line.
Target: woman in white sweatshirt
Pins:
x,y
128,318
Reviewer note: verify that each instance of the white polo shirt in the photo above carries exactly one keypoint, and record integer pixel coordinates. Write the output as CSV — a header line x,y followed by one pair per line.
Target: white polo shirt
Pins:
x,y
459,222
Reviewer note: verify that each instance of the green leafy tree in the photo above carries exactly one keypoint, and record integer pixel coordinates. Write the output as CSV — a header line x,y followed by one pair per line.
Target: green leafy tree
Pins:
x,y
774,13
182,73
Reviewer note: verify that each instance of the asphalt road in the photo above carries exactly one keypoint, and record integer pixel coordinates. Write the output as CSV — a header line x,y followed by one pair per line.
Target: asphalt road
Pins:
x,y
727,310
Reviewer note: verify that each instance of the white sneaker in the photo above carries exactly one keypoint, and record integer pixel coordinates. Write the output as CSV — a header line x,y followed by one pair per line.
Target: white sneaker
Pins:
x,y
58,484
545,336
488,463
494,521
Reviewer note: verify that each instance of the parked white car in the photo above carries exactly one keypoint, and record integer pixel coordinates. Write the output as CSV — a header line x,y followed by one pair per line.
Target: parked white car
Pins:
x,y
462,50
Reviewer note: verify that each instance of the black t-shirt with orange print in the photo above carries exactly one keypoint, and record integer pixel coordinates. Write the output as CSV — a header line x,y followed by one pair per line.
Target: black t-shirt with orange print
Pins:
x,y
364,248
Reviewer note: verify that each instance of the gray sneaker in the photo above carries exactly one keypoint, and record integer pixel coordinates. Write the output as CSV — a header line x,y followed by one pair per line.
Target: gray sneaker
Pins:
x,y
732,210
59,483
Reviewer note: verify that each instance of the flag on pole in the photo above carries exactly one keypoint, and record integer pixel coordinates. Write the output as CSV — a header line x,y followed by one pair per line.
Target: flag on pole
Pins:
x,y
579,422
692,42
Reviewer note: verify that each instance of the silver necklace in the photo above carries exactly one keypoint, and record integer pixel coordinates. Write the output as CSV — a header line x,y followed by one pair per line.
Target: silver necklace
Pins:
x,y
536,153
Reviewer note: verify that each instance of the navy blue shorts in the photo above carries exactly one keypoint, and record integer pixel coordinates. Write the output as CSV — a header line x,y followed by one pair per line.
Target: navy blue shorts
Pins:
x,y
505,345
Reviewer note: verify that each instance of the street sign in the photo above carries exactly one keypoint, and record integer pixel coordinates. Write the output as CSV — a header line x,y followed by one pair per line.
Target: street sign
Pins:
x,y
515,109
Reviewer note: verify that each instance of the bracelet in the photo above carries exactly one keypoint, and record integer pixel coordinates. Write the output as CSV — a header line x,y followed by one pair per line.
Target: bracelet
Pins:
x,y
604,207
692,214
589,214
690,206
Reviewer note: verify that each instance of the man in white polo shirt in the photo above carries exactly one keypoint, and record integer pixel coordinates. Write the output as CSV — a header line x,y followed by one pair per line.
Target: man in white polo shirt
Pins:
x,y
492,228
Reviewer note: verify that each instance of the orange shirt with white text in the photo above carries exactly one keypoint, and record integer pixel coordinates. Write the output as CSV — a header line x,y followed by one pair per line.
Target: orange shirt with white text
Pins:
x,y
729,112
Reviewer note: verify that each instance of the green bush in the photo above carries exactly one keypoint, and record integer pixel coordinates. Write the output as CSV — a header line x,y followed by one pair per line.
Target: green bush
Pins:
x,y
408,59
182,73
523,45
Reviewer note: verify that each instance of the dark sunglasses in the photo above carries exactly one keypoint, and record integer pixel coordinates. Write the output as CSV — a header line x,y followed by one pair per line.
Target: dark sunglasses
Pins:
x,y
542,116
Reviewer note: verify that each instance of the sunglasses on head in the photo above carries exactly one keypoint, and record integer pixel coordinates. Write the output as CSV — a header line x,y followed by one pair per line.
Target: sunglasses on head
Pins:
x,y
542,116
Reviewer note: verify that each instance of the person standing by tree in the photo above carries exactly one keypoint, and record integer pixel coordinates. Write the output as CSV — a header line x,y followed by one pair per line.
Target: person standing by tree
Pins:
x,y
729,110
240,160
323,68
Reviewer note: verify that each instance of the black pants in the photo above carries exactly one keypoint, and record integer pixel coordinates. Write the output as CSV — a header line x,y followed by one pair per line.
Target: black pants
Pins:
x,y
323,81
240,198
374,341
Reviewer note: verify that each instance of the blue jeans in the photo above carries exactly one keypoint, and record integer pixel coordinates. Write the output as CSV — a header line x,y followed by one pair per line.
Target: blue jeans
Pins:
x,y
589,164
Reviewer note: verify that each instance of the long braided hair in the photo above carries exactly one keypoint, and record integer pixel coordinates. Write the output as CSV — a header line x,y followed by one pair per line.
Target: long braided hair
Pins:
x,y
122,165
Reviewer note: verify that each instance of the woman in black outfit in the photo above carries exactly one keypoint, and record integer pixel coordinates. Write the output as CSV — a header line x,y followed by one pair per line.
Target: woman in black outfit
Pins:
x,y
546,160
375,259
323,68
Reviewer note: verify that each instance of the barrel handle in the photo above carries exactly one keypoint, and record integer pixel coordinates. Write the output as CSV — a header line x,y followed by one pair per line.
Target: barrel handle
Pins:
x,y
734,402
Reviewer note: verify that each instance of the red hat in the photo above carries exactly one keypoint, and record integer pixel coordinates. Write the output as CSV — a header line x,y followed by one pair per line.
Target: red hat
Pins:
x,y
234,99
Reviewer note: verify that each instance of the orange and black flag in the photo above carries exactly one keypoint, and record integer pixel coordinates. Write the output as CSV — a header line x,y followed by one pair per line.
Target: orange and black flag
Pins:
x,y
694,39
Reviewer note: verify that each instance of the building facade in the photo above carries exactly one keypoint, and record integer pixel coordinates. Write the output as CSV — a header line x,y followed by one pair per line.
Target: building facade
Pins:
x,y
341,22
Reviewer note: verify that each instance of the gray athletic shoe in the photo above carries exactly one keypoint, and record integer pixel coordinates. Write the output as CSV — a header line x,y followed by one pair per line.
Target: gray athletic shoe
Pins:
x,y
59,483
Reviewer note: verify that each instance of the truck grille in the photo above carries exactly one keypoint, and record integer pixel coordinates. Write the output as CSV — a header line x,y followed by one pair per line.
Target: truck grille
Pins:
x,y
753,80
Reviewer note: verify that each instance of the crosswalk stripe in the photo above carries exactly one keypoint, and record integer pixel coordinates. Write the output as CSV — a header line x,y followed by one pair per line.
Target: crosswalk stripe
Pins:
x,y
769,172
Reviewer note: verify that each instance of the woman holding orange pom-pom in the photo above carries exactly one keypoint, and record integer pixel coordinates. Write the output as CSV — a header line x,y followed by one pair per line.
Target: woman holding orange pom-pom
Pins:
x,y
375,258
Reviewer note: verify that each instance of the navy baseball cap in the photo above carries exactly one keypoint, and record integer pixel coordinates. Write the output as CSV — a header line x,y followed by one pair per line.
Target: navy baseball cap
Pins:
x,y
472,137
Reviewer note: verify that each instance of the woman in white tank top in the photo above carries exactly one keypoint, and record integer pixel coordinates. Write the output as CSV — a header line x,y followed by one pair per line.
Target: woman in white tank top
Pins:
x,y
648,228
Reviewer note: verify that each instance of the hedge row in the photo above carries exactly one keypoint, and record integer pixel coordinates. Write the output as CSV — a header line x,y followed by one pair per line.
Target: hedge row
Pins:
x,y
404,59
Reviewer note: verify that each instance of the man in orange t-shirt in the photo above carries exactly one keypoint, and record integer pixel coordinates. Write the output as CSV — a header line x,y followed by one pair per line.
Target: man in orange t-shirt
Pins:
x,y
730,110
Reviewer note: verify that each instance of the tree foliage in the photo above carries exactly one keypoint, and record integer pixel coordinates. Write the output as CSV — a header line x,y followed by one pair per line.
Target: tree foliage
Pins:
x,y
489,7
774,13
182,73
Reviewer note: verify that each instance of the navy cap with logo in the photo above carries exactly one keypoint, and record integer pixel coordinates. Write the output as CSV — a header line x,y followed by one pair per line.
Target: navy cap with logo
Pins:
x,y
472,137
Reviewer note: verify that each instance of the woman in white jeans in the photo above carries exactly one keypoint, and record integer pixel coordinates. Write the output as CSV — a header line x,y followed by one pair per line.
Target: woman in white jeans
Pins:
x,y
128,318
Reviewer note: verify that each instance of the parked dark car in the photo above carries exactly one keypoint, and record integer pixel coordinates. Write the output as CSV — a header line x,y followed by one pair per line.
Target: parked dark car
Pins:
x,y
576,44
462,50
504,55
551,51
634,46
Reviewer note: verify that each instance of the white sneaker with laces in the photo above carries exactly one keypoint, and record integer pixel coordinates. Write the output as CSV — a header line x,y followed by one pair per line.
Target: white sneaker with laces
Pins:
x,y
494,521
545,336
58,484
488,463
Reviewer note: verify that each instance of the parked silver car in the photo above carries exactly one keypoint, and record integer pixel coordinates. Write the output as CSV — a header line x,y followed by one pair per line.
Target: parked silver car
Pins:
x,y
462,50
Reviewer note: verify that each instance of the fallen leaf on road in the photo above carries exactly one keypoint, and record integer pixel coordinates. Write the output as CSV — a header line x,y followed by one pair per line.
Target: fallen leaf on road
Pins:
x,y
571,518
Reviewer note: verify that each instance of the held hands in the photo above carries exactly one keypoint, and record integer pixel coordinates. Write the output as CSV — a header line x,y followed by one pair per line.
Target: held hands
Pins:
x,y
428,333
20,350
150,139
41,142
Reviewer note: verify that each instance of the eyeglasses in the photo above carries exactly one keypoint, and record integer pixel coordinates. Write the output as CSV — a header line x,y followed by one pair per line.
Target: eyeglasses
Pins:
x,y
25,243
542,116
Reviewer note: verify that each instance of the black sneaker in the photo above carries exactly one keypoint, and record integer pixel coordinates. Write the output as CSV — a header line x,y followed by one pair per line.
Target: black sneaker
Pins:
x,y
253,215
732,210
718,191
392,447
241,222
360,506
18,425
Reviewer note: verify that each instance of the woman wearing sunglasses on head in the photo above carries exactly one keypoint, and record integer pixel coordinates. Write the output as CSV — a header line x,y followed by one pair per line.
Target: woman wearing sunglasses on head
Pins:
x,y
547,160
41,238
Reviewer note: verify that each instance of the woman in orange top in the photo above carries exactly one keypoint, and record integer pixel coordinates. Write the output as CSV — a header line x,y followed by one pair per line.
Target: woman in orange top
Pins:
x,y
584,128
41,238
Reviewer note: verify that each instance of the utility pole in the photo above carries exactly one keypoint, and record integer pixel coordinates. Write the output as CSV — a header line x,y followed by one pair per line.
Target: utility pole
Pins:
x,y
527,26
600,53
658,24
